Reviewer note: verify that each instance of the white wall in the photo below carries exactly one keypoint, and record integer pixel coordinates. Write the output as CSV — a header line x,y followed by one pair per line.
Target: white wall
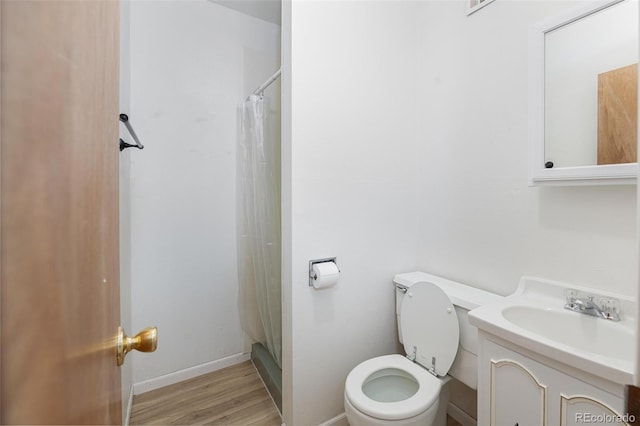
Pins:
x,y
483,225
352,165
405,147
186,83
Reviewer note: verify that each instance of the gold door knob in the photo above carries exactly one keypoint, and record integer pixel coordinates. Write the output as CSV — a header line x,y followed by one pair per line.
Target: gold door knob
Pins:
x,y
145,341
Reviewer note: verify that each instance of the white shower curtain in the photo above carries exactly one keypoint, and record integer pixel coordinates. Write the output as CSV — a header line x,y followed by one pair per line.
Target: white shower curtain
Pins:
x,y
259,225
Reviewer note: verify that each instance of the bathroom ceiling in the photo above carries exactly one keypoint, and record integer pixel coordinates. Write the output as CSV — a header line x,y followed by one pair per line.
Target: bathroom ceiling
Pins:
x,y
267,10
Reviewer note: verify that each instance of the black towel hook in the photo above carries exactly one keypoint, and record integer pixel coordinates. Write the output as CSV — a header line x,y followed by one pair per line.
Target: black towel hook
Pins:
x,y
123,145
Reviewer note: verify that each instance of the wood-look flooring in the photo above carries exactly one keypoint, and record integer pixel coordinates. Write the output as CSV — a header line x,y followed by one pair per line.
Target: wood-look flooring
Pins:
x,y
231,396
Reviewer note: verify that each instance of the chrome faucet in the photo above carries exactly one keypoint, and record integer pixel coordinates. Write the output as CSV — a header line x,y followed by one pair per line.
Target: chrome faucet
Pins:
x,y
584,303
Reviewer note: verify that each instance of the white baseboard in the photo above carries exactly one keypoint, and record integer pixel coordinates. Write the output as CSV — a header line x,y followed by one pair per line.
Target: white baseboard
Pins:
x,y
188,373
129,405
460,416
339,420
453,410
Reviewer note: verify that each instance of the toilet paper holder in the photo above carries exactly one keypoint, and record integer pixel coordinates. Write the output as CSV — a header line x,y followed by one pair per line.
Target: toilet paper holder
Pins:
x,y
312,275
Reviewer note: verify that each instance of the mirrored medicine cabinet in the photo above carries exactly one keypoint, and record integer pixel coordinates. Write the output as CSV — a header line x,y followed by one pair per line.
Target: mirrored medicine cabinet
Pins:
x,y
583,70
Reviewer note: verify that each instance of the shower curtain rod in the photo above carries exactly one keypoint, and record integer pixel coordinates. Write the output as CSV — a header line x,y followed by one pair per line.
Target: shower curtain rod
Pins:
x,y
267,83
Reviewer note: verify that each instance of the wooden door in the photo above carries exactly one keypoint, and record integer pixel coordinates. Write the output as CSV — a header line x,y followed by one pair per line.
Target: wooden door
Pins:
x,y
59,212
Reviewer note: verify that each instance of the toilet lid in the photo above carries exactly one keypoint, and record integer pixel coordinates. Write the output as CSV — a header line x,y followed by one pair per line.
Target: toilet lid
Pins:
x,y
429,323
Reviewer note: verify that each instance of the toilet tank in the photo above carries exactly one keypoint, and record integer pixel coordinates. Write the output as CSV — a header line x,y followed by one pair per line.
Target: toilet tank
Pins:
x,y
464,298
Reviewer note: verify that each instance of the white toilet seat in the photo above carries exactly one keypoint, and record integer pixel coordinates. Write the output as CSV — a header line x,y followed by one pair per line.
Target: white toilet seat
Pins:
x,y
427,393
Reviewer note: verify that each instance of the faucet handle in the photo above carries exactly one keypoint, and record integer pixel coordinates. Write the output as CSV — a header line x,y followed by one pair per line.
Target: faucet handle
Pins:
x,y
610,307
570,295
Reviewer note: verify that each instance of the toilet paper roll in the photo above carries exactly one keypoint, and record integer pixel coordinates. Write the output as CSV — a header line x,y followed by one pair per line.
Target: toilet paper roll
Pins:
x,y
325,274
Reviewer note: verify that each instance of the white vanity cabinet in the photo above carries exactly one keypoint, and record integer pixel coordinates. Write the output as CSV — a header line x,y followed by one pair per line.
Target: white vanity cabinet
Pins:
x,y
519,387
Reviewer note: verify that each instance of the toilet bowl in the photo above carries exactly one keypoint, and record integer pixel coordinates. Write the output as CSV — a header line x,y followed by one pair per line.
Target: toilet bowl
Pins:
x,y
406,390
393,389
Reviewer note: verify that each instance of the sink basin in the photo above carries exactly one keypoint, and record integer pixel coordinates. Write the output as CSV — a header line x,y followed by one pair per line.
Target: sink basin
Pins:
x,y
582,332
534,318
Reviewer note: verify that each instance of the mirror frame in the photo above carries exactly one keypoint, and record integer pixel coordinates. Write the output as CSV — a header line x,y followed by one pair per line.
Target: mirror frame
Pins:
x,y
610,174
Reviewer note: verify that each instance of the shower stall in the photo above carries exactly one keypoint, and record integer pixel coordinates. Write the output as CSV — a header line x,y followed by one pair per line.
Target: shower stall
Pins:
x,y
259,245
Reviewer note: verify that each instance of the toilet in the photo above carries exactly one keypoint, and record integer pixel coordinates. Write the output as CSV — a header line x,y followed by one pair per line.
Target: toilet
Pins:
x,y
439,342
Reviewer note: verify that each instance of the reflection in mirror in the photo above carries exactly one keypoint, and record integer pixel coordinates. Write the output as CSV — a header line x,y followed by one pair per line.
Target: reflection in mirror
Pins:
x,y
590,88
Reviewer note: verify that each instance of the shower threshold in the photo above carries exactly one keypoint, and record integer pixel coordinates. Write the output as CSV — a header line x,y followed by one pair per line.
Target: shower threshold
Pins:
x,y
269,371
